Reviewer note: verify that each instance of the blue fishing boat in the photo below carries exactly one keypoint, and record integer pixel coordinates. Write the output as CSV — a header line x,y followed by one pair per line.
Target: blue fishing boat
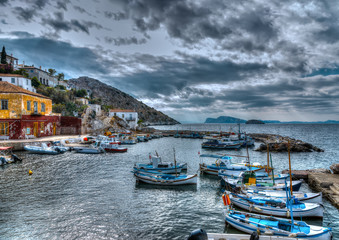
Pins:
x,y
276,207
156,165
230,183
262,177
225,163
273,226
165,179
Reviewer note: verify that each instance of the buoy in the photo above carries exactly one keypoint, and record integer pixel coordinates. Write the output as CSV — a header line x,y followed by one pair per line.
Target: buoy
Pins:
x,y
30,172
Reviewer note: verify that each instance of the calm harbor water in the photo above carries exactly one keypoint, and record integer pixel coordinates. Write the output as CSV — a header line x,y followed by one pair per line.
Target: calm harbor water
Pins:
x,y
75,196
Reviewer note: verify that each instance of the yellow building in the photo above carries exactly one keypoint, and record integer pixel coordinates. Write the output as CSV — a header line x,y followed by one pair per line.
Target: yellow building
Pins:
x,y
16,101
23,113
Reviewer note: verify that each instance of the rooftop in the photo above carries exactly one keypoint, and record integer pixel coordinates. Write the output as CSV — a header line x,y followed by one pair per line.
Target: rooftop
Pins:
x,y
6,87
121,110
10,75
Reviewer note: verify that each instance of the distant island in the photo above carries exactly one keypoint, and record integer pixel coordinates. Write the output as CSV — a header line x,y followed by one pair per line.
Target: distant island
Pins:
x,y
228,119
254,121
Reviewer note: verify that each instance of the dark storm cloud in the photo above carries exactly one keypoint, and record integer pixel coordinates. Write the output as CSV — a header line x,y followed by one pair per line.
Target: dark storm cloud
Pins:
x,y
59,55
115,15
125,41
25,14
3,2
58,23
3,21
63,4
172,76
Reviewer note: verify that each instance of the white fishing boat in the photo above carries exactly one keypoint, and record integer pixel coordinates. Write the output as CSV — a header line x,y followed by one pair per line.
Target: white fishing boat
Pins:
x,y
225,163
165,179
230,183
276,207
303,197
7,156
273,226
44,149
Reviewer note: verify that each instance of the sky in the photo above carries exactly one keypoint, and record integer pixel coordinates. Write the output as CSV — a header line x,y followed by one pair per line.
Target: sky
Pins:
x,y
191,59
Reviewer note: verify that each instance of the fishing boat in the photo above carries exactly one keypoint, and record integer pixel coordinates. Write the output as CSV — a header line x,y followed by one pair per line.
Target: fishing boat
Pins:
x,y
276,207
260,176
45,149
157,165
273,226
303,197
230,183
165,179
92,149
200,234
7,156
112,147
222,143
225,163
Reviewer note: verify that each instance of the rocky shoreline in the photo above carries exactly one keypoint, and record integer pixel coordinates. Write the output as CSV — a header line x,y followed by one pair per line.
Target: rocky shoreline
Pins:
x,y
277,143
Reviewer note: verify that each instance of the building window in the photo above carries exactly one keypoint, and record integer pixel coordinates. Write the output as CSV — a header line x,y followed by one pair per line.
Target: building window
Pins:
x,y
35,107
28,105
115,114
28,131
43,107
47,82
0,79
26,81
123,115
13,80
41,80
32,70
4,104
3,128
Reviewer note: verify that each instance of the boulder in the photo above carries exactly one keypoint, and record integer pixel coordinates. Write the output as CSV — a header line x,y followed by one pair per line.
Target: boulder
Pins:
x,y
335,168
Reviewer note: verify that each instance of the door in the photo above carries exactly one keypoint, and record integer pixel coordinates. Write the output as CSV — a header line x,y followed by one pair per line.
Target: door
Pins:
x,y
35,129
54,128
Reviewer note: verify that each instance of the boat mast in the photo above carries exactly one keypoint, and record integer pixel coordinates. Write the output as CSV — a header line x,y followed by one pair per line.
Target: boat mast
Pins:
x,y
268,158
289,162
175,163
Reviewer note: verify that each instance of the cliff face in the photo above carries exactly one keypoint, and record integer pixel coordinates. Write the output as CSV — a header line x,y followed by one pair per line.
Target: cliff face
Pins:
x,y
111,96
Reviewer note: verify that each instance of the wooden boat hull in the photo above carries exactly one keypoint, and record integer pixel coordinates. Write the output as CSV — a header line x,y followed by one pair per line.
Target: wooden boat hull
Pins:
x,y
236,169
191,179
115,149
311,210
160,170
316,233
303,197
225,182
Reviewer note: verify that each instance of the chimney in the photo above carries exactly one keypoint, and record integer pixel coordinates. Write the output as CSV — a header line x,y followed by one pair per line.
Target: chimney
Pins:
x,y
40,67
23,63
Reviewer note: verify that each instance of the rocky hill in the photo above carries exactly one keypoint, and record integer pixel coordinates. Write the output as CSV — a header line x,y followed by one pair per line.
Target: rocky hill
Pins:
x,y
115,98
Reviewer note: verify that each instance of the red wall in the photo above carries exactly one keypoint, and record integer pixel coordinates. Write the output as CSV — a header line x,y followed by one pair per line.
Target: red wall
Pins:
x,y
70,125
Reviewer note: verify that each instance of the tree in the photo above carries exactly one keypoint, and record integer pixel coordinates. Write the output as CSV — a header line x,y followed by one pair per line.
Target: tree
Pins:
x,y
3,56
35,82
60,77
22,72
81,93
51,72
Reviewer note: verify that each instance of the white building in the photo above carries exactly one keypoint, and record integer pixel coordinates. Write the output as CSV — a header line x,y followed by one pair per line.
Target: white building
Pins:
x,y
130,116
12,60
42,75
18,80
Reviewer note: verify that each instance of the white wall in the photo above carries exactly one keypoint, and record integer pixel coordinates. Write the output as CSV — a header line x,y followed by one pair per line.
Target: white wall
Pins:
x,y
23,82
130,117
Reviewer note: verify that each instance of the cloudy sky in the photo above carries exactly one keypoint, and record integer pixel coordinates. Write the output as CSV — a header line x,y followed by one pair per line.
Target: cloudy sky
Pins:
x,y
191,59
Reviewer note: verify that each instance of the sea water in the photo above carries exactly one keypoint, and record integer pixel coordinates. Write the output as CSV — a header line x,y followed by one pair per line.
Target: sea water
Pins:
x,y
79,196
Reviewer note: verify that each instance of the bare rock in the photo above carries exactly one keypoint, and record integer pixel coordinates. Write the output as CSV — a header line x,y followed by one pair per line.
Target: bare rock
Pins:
x,y
335,168
326,184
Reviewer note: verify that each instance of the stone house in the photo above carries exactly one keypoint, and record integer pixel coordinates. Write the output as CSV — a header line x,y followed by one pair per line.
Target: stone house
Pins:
x,y
42,75
18,80
130,116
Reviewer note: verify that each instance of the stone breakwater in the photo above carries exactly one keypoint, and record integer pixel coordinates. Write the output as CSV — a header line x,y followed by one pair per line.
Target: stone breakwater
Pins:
x,y
277,143
321,180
